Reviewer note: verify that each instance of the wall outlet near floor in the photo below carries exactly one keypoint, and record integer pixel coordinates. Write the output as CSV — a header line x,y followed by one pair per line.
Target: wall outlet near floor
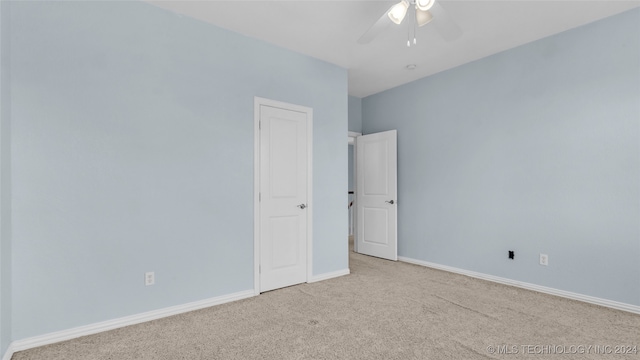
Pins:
x,y
149,278
544,259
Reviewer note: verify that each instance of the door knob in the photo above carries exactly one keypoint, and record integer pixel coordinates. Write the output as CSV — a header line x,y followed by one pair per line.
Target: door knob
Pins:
x,y
302,206
390,202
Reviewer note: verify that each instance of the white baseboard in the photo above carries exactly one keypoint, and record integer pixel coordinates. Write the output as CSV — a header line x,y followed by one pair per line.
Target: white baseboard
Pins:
x,y
76,332
330,275
543,289
9,353
63,335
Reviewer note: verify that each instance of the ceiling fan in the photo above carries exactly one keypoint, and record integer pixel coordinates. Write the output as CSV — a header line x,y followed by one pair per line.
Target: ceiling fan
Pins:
x,y
420,13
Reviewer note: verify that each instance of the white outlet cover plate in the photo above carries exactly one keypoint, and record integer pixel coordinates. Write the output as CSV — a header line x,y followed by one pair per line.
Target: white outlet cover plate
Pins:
x,y
149,278
544,259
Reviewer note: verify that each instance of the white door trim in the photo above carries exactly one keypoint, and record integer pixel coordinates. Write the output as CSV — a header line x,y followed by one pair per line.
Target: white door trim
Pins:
x,y
257,102
351,140
351,137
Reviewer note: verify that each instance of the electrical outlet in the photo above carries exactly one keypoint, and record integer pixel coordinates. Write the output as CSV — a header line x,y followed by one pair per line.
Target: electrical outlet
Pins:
x,y
544,259
149,278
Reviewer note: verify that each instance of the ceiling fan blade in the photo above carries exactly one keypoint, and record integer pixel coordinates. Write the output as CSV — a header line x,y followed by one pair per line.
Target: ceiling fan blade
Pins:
x,y
448,29
375,29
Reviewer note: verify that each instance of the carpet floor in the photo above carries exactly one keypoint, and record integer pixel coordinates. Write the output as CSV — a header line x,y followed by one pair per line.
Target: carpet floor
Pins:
x,y
383,310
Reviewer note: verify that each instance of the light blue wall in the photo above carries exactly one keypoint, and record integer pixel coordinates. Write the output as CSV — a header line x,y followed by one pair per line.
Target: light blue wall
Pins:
x,y
355,114
5,180
132,135
536,150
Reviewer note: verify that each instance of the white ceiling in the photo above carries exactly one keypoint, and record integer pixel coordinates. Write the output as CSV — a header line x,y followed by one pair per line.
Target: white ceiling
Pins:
x,y
328,30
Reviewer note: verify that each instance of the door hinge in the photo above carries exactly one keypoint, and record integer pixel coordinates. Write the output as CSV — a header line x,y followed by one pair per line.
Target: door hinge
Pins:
x,y
259,125
259,196
259,269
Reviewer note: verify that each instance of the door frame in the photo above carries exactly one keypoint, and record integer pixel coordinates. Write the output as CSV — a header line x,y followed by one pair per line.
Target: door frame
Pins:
x,y
351,140
257,102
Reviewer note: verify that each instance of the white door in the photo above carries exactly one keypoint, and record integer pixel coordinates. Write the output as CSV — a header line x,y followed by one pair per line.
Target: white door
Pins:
x,y
283,197
377,211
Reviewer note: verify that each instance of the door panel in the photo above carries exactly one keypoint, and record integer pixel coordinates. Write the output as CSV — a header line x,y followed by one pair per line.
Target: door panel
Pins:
x,y
377,211
376,181
375,225
283,188
284,154
285,247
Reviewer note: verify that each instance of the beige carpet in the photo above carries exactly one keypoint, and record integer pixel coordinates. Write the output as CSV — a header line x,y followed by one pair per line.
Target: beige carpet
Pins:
x,y
383,310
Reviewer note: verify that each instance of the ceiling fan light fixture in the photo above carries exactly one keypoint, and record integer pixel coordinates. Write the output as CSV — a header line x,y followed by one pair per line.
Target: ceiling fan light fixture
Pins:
x,y
425,5
398,11
423,17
